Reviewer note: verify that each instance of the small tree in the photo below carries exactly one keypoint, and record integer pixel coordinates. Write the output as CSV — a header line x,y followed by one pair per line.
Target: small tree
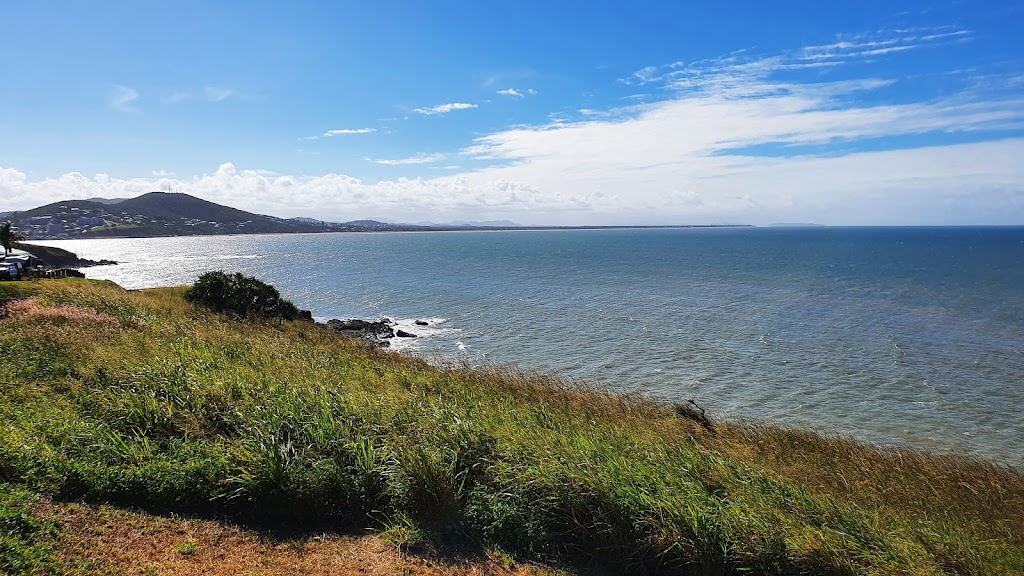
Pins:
x,y
9,238
243,296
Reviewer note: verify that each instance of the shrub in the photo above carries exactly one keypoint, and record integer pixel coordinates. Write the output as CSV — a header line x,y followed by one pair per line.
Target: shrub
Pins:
x,y
243,296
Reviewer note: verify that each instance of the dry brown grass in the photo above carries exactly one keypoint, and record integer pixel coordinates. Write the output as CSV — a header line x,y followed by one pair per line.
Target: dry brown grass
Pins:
x,y
30,309
102,539
955,488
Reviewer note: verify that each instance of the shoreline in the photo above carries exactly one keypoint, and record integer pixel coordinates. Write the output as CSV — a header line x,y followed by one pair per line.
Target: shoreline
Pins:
x,y
282,423
883,424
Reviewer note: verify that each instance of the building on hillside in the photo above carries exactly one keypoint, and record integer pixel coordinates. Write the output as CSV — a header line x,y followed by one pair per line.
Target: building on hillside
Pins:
x,y
90,221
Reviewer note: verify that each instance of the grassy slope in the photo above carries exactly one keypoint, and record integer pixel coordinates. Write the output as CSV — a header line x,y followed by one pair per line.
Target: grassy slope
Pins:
x,y
139,399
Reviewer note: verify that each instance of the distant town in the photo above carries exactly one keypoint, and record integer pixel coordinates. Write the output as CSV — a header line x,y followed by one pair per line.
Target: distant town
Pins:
x,y
70,222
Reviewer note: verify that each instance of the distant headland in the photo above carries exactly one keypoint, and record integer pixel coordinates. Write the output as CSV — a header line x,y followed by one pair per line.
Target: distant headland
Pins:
x,y
174,214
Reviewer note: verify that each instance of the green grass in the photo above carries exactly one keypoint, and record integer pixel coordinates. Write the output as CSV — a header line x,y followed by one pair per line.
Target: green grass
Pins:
x,y
107,227
26,541
142,400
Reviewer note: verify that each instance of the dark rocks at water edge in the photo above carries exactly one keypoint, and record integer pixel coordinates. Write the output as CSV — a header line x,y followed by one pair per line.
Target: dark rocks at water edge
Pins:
x,y
376,333
404,334
58,258
422,323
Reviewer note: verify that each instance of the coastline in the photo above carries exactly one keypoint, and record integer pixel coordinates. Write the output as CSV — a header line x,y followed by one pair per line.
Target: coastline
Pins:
x,y
277,423
840,370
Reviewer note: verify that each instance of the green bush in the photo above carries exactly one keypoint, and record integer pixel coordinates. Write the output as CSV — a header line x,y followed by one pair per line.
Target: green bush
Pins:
x,y
243,296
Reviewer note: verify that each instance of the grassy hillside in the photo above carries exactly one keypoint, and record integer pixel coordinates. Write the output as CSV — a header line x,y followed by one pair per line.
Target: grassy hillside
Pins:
x,y
55,207
138,399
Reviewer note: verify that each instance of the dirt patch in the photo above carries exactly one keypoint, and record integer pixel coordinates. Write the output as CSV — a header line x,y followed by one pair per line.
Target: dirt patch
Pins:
x,y
111,540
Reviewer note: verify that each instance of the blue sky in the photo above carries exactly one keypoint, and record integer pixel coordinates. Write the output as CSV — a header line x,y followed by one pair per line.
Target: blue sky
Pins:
x,y
542,113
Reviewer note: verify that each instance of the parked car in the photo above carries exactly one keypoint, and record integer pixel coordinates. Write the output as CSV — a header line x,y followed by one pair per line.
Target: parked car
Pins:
x,y
9,271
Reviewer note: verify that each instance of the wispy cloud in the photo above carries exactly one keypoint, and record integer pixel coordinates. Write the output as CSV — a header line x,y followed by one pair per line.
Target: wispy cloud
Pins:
x,y
346,131
215,94
444,108
123,96
517,93
162,174
737,72
178,96
417,159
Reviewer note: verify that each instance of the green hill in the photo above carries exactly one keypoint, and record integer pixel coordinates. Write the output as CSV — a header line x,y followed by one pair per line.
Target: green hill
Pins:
x,y
58,207
142,401
174,206
152,214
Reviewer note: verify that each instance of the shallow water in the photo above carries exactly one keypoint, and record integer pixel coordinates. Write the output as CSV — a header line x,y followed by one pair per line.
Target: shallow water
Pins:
x,y
895,335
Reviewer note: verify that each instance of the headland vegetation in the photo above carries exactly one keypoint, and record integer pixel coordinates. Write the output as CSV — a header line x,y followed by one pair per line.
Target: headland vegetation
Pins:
x,y
148,421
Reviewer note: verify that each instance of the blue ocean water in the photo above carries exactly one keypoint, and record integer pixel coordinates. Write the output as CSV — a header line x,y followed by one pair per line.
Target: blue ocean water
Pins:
x,y
895,335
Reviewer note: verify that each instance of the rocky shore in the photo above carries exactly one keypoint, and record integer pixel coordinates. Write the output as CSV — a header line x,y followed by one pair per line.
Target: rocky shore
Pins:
x,y
376,333
58,258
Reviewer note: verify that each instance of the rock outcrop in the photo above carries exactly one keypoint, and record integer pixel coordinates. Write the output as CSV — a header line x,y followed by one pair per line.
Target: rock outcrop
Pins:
x,y
376,333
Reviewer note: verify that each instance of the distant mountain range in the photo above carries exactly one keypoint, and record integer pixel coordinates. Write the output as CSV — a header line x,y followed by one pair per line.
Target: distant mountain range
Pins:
x,y
175,214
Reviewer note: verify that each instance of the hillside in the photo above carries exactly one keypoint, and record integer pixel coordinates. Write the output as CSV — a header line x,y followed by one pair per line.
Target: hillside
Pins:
x,y
152,214
173,206
138,401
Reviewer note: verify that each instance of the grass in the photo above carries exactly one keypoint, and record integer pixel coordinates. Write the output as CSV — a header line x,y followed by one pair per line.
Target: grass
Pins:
x,y
138,399
26,539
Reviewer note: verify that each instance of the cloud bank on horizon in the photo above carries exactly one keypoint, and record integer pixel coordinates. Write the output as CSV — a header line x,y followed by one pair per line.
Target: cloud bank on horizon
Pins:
x,y
854,129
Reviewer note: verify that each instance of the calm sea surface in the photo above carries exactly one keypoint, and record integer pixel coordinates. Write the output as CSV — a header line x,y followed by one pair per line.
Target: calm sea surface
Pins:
x,y
896,335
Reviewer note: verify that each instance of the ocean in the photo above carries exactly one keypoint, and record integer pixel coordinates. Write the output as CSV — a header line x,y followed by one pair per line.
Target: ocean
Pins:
x,y
899,336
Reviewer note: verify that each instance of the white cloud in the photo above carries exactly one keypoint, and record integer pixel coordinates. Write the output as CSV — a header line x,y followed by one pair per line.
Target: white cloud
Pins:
x,y
417,159
513,92
689,159
215,94
444,108
345,131
330,196
162,174
734,139
123,96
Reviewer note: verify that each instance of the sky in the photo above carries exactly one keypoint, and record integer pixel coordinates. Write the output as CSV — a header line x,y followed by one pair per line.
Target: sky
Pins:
x,y
563,113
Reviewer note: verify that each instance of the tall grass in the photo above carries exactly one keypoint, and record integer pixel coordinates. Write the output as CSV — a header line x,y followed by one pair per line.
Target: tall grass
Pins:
x,y
141,399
